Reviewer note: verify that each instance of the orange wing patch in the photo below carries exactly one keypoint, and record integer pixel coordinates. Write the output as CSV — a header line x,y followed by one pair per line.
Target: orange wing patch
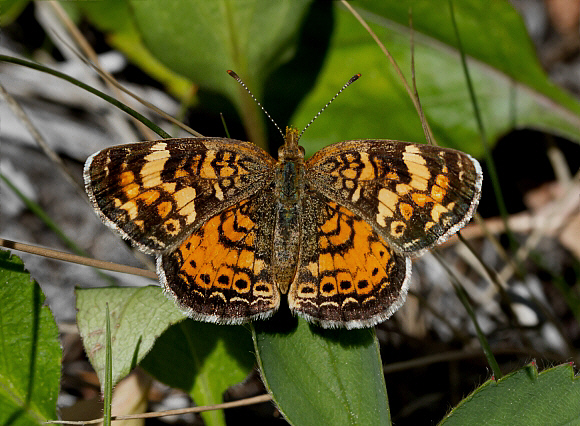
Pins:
x,y
348,276
218,274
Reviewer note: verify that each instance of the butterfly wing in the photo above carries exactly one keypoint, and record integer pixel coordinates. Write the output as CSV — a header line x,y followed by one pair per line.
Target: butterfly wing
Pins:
x,y
223,271
415,196
348,275
156,193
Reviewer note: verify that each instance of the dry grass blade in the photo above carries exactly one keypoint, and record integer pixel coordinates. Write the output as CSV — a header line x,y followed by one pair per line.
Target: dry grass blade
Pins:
x,y
241,403
81,260
412,94
91,54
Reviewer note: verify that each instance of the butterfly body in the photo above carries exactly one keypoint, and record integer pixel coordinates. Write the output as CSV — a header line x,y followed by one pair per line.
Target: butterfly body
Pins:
x,y
233,229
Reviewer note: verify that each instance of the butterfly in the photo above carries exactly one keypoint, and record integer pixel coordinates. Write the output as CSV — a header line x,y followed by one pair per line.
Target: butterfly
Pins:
x,y
233,229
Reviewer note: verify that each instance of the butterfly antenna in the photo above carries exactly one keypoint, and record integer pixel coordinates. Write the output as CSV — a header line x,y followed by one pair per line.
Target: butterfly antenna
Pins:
x,y
239,80
348,83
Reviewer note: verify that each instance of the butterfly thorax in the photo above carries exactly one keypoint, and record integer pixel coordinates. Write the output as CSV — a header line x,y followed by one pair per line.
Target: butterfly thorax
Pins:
x,y
289,182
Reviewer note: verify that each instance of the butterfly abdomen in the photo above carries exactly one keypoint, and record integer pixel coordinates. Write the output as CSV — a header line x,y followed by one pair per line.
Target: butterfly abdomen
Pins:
x,y
286,242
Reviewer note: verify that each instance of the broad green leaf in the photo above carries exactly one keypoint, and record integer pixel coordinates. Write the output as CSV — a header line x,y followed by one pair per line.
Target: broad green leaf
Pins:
x,y
114,18
322,377
30,354
138,317
201,39
512,90
523,397
202,359
196,41
10,10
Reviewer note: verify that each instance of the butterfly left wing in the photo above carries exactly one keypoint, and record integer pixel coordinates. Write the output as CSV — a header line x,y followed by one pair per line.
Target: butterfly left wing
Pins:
x,y
222,272
414,196
348,275
156,193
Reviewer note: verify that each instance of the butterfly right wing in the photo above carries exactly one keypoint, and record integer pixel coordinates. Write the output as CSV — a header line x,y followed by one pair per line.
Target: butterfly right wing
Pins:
x,y
414,195
156,193
348,275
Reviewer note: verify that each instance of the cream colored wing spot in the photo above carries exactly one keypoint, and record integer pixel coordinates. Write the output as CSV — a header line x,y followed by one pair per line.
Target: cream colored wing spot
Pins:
x,y
218,295
185,199
369,299
184,196
387,206
348,173
131,208
403,189
349,300
219,194
416,165
161,146
154,163
429,225
356,194
169,187
259,266
437,211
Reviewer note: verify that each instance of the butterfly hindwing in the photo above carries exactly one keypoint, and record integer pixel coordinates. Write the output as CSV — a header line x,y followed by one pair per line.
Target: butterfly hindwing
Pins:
x,y
156,193
415,196
348,275
223,271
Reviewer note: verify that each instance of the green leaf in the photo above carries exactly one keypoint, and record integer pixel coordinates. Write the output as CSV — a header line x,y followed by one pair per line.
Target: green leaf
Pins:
x,y
512,90
203,360
30,354
196,41
108,384
114,18
523,398
10,10
322,377
201,39
138,317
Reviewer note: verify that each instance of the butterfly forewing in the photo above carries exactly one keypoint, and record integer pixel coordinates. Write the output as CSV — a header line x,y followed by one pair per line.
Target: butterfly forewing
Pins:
x,y
156,193
413,195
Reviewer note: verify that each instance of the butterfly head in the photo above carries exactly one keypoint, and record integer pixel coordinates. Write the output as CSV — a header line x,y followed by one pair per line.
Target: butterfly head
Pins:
x,y
291,150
